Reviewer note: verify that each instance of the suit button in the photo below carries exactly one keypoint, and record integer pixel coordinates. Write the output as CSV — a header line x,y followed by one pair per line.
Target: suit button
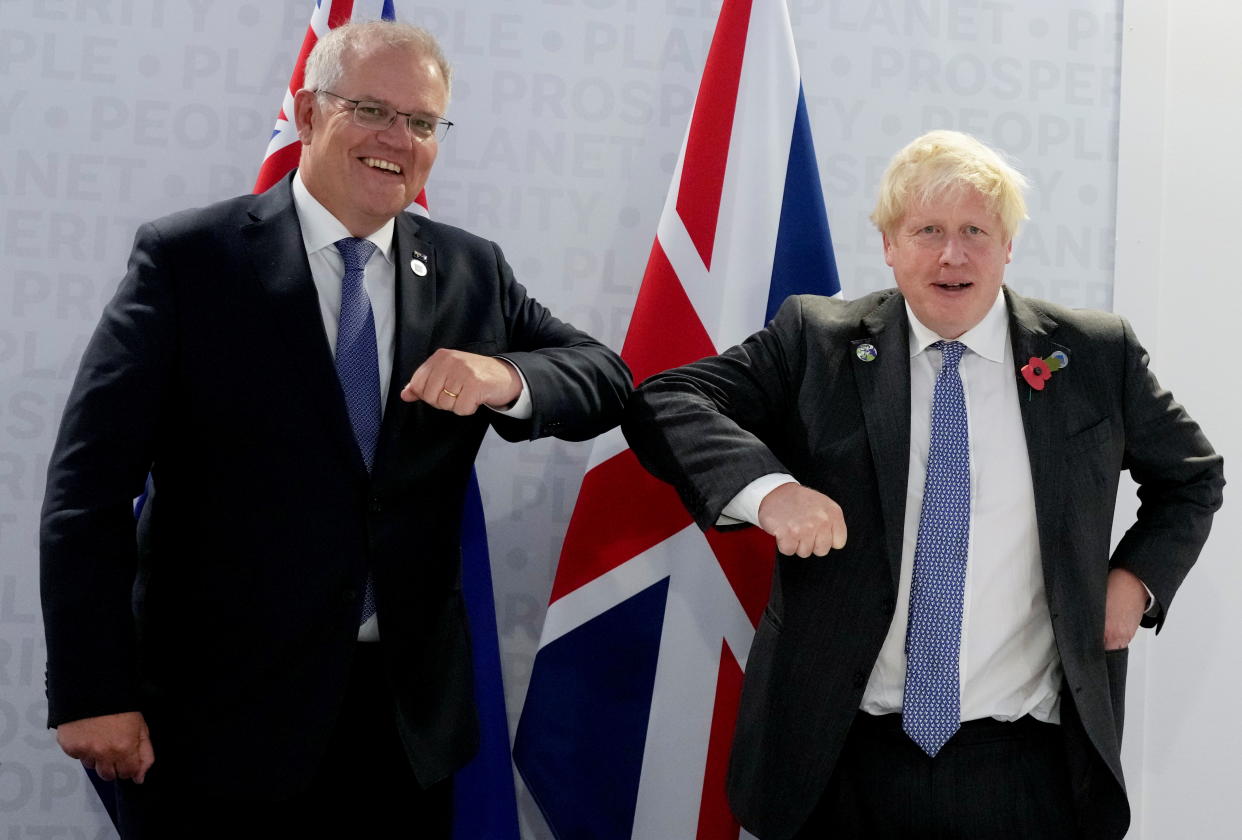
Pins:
x,y
349,595
888,604
860,679
375,505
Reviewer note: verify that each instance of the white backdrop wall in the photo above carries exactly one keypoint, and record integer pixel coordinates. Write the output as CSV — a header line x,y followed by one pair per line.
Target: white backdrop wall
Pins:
x,y
570,114
1177,279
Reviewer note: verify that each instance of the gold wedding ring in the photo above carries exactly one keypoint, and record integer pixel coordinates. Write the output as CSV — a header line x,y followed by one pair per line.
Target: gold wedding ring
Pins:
x,y
450,393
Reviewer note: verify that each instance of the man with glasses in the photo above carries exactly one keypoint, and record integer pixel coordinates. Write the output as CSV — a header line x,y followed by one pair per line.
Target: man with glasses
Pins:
x,y
281,649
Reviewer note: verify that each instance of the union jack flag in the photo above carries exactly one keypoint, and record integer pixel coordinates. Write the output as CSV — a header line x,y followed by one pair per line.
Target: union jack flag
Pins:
x,y
633,698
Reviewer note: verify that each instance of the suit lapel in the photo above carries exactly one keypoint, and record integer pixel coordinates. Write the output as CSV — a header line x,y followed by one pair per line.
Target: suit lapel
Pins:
x,y
278,261
416,306
1031,336
884,394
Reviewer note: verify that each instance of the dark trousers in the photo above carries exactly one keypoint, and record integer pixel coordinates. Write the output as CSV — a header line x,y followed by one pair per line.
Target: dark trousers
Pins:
x,y
363,788
992,780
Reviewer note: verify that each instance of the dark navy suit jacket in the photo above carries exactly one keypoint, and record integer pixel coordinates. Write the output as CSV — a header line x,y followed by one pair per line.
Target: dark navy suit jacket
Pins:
x,y
230,616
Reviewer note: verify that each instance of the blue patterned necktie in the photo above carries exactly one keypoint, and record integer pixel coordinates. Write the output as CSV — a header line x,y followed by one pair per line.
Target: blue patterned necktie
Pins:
x,y
931,711
357,364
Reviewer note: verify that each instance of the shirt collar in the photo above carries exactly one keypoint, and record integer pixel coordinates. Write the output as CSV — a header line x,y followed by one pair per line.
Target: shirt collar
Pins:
x,y
986,338
320,229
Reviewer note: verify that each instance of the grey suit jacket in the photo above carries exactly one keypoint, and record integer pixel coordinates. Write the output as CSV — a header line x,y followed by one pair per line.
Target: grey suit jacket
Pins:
x,y
796,398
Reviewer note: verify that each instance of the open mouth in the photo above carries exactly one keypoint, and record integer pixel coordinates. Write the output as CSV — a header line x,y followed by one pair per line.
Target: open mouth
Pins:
x,y
381,165
953,286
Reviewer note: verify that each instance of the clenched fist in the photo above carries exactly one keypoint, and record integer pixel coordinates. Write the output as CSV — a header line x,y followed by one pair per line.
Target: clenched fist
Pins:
x,y
460,382
114,746
804,521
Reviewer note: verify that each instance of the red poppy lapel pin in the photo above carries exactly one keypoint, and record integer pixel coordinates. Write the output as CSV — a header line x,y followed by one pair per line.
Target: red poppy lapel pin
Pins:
x,y
1038,371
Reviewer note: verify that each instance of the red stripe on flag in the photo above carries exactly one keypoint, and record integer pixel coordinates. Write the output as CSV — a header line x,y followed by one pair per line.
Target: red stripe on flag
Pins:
x,y
665,330
707,145
622,511
747,558
340,13
716,821
277,165
299,67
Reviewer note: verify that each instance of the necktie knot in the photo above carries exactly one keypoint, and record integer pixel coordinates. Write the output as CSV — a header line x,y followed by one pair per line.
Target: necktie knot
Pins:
x,y
951,351
355,252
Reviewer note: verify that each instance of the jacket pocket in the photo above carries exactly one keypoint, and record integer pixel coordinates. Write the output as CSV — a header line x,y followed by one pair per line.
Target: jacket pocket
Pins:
x,y
1090,438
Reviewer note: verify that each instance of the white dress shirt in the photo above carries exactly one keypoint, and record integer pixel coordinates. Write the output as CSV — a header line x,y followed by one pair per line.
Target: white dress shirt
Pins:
x,y
320,231
1009,664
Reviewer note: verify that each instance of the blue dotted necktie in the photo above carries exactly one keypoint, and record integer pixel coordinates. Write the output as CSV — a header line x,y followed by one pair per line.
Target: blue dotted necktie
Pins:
x,y
931,712
357,364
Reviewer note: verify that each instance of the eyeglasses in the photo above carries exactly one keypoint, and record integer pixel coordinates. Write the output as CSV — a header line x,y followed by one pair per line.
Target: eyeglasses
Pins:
x,y
377,116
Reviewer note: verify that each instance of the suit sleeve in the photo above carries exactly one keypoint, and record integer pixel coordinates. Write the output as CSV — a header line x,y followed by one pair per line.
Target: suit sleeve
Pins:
x,y
103,453
703,427
578,387
1180,479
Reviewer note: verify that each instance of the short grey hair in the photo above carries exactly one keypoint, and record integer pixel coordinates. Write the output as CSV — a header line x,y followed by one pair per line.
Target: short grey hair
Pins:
x,y
326,63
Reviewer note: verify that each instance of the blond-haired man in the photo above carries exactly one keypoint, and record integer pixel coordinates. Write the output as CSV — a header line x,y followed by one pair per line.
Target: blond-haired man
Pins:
x,y
943,654
281,649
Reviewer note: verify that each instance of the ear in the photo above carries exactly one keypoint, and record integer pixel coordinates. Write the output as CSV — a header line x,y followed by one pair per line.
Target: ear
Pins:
x,y
888,249
304,113
1008,252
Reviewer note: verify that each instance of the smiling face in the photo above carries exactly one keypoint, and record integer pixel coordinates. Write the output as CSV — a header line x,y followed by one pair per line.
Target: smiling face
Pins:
x,y
948,256
365,177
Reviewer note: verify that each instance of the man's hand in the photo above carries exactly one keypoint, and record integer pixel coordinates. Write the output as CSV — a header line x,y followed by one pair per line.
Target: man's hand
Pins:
x,y
1124,606
460,382
114,746
804,521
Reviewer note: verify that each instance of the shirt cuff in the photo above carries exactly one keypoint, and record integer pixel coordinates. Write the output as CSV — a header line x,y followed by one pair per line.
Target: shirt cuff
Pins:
x,y
744,507
521,408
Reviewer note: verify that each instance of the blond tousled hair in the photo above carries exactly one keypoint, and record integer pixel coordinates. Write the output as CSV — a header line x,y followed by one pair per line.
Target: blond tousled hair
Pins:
x,y
941,163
